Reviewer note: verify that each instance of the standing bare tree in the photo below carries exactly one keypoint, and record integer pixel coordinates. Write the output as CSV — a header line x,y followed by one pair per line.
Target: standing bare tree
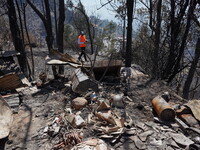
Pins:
x,y
46,19
155,70
129,33
61,30
192,70
16,36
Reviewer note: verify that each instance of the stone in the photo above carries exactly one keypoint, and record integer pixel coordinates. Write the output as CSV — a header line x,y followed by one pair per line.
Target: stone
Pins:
x,y
79,103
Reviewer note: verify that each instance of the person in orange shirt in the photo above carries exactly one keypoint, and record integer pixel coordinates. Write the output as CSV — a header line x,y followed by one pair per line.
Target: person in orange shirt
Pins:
x,y
82,44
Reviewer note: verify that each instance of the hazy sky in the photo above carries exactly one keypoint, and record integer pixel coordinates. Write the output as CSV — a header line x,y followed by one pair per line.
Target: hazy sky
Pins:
x,y
92,6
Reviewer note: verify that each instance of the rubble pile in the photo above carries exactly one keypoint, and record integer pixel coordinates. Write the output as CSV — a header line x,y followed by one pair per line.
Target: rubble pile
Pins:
x,y
58,117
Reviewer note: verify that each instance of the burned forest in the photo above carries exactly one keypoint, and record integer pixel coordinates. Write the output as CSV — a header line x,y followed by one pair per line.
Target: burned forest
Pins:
x,y
99,75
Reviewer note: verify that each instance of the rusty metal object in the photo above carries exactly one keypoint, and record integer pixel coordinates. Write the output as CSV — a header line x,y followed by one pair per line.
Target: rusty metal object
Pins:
x,y
106,68
10,82
163,109
194,105
6,118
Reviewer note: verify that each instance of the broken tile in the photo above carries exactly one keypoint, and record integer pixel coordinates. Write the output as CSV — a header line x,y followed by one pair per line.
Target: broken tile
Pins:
x,y
103,106
140,125
143,136
138,143
181,139
78,121
155,142
130,131
106,115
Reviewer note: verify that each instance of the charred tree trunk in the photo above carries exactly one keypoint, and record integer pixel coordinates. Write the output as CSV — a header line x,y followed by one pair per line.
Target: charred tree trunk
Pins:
x,y
175,26
55,22
29,41
18,43
48,24
192,70
129,33
184,39
61,30
151,15
46,19
155,70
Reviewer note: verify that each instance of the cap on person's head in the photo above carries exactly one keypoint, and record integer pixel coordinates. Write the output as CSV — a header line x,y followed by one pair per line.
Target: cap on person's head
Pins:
x,y
82,32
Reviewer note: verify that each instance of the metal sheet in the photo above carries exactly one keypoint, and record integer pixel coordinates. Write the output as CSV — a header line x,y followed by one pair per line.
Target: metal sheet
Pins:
x,y
10,82
194,105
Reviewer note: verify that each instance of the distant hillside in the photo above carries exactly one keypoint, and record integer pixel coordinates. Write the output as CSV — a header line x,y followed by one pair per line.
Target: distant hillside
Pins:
x,y
37,29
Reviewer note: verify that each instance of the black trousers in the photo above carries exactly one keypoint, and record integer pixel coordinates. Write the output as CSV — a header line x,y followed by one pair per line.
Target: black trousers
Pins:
x,y
82,53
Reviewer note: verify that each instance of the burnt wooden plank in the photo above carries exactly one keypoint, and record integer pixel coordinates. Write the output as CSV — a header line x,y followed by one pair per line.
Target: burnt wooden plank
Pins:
x,y
10,82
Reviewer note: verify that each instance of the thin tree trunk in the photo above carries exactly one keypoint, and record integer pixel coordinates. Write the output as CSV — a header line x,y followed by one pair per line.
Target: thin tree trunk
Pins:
x,y
48,27
29,72
157,41
175,33
29,42
124,34
129,33
55,22
15,32
61,30
20,22
192,70
184,39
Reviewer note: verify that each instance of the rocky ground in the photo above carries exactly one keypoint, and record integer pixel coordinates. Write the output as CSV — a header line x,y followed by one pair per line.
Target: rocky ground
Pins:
x,y
48,118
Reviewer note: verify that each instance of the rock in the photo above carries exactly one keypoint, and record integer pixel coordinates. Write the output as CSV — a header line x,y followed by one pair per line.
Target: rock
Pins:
x,y
79,103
